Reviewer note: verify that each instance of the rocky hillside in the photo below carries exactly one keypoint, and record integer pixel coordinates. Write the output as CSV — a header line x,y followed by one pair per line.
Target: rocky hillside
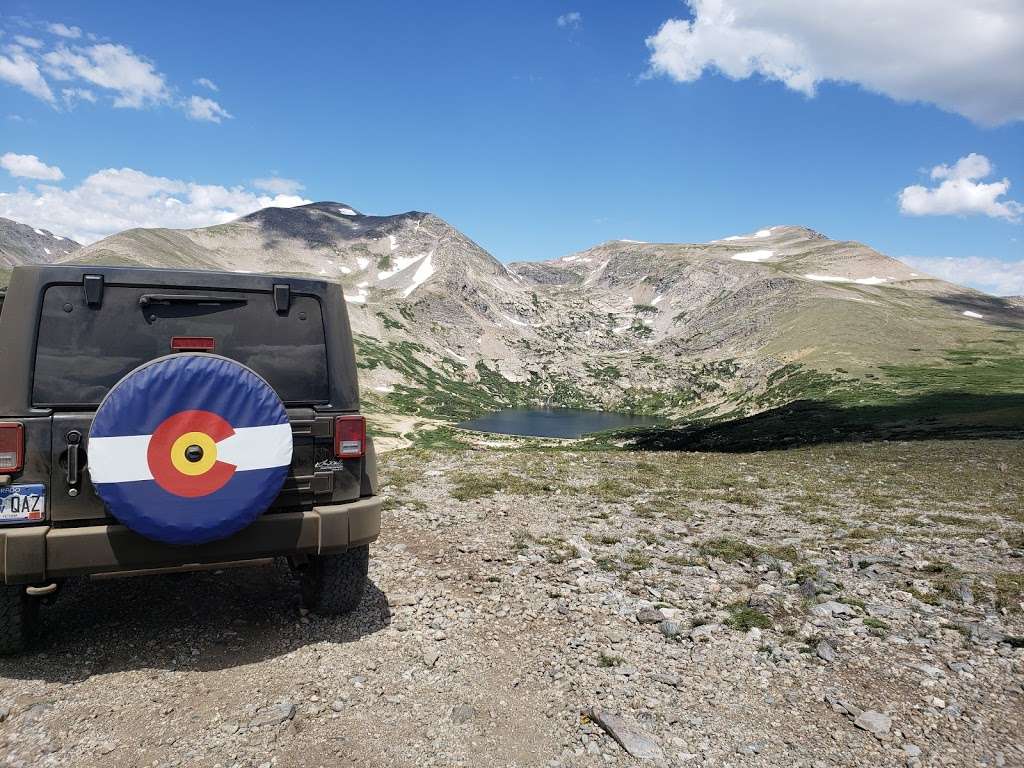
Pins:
x,y
22,244
734,326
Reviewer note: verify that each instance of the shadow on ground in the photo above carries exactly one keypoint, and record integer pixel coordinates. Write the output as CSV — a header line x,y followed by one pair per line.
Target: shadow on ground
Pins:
x,y
317,229
197,621
993,309
936,416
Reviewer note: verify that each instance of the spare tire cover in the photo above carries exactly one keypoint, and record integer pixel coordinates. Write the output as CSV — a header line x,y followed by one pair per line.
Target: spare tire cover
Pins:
x,y
189,448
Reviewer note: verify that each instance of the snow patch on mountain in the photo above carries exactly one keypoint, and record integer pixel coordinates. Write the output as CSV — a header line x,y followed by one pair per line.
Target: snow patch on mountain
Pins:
x,y
399,264
423,272
754,256
759,234
514,321
860,280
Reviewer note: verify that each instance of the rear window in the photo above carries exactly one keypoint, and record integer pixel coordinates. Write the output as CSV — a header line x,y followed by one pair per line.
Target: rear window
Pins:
x,y
81,352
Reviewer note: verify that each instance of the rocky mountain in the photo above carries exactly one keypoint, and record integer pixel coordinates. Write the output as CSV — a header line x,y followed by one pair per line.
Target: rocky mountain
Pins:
x,y
735,326
22,244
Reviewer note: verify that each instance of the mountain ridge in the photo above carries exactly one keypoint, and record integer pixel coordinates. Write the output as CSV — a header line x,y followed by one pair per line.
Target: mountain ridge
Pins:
x,y
21,243
685,330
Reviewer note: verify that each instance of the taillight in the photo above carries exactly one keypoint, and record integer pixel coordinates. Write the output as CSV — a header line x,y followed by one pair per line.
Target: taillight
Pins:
x,y
349,437
193,344
12,447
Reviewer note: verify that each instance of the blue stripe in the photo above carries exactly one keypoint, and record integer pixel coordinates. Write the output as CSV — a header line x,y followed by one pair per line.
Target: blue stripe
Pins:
x,y
148,509
149,395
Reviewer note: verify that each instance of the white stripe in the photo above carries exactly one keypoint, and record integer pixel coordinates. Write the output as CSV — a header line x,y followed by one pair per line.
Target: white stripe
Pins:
x,y
123,459
118,459
257,447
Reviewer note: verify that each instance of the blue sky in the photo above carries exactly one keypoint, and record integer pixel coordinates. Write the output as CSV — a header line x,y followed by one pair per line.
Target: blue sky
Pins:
x,y
535,137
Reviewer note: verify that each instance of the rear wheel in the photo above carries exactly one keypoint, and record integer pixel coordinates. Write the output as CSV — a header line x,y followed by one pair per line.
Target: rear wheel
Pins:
x,y
334,584
18,617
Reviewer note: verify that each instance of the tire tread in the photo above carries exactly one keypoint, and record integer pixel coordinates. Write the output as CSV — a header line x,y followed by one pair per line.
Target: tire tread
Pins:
x,y
334,584
17,619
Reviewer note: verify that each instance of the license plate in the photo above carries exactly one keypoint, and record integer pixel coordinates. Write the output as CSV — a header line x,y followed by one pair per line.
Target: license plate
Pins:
x,y
22,503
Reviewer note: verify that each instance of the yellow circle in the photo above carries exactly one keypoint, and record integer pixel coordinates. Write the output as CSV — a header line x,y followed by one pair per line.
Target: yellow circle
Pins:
x,y
193,468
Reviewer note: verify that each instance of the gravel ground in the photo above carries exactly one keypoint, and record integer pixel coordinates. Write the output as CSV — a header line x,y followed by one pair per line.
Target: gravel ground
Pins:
x,y
830,606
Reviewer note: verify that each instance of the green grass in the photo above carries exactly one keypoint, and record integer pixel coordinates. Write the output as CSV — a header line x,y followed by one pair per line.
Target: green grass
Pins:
x,y
467,486
637,559
729,550
610,489
743,618
1009,590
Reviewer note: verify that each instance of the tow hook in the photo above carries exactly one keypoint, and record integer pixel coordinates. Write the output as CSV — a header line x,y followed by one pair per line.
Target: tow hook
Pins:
x,y
42,591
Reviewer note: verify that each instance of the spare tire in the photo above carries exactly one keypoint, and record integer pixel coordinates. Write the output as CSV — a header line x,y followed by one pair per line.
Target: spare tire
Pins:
x,y
189,448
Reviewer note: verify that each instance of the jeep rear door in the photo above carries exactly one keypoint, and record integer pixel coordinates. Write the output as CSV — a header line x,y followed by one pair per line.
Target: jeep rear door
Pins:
x,y
85,347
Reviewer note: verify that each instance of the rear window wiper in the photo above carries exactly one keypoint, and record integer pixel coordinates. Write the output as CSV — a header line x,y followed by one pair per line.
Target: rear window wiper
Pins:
x,y
188,298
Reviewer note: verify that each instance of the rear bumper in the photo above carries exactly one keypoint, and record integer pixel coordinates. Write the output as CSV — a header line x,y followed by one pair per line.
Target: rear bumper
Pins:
x,y
39,553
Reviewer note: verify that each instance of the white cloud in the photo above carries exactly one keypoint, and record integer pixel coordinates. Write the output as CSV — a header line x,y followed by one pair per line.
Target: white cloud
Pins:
x,y
573,19
19,69
278,185
1002,278
961,192
29,167
62,30
115,199
72,95
963,57
28,42
86,68
117,68
201,108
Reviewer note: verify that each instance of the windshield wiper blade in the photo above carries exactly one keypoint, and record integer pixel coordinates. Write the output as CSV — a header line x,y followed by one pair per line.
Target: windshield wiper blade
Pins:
x,y
187,298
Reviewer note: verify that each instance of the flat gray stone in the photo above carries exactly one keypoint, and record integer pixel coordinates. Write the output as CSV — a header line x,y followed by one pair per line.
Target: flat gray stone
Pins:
x,y
463,713
628,734
704,632
831,608
36,711
927,670
273,714
874,722
666,678
650,615
826,652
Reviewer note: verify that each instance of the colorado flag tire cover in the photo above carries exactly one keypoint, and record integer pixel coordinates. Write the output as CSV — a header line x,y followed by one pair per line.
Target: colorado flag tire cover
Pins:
x,y
189,448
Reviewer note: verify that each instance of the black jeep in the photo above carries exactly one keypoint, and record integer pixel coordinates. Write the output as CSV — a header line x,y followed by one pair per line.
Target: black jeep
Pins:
x,y
155,420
